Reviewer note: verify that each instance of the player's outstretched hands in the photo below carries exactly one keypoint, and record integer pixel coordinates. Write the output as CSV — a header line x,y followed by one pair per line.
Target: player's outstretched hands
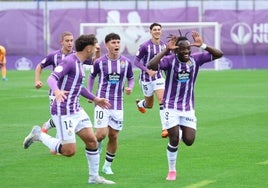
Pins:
x,y
172,42
102,102
198,41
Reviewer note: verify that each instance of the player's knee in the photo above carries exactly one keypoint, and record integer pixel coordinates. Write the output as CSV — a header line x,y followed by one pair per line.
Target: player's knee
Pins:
x,y
188,141
68,151
100,137
173,140
92,144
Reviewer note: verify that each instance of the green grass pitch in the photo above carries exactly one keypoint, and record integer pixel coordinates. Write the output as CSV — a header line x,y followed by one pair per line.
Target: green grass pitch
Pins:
x,y
230,150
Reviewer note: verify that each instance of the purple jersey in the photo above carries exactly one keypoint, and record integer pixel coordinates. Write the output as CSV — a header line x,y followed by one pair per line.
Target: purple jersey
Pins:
x,y
112,77
146,52
70,75
88,62
53,59
180,80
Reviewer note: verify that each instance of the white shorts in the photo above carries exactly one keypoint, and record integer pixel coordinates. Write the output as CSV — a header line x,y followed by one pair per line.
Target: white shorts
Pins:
x,y
173,118
105,117
148,88
68,125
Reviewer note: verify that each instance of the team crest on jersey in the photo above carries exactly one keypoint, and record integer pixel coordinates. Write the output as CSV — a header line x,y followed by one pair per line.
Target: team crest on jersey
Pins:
x,y
183,76
122,64
189,63
58,69
113,78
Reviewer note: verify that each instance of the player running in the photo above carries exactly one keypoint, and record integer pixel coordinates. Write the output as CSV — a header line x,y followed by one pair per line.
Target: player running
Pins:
x,y
66,82
181,70
152,81
113,70
53,59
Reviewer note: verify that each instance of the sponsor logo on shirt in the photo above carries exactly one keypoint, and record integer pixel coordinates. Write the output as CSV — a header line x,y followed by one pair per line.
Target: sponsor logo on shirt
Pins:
x,y
114,78
183,76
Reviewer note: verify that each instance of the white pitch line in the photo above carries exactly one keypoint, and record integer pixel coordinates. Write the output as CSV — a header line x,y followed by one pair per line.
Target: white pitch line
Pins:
x,y
200,184
263,163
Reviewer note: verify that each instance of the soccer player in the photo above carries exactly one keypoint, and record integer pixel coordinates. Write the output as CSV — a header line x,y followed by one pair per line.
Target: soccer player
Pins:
x,y
54,59
113,71
3,63
152,82
66,82
181,70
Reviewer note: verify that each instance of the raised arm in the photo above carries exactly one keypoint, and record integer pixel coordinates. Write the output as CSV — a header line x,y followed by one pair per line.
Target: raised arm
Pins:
x,y
153,64
198,42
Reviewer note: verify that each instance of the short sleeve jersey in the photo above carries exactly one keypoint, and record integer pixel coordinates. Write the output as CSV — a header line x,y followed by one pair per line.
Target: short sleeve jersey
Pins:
x,y
112,76
53,59
180,80
145,53
70,75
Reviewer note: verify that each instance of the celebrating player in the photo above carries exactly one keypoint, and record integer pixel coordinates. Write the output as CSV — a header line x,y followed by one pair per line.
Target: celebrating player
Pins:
x,y
54,59
66,82
181,70
152,82
113,71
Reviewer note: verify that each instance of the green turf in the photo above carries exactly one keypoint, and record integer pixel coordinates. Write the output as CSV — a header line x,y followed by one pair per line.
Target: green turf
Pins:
x,y
230,151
